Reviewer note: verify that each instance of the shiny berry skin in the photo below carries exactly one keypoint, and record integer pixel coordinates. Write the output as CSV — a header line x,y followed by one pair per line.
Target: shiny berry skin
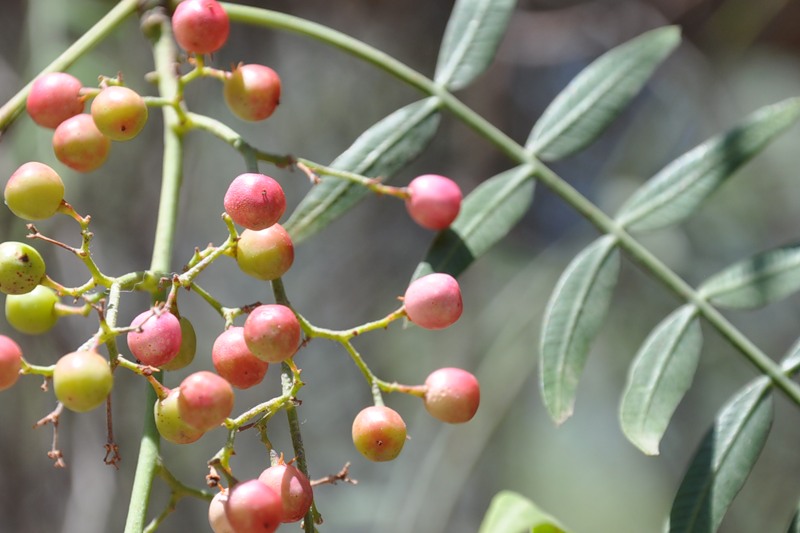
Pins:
x,y
21,268
34,191
252,92
255,201
33,312
379,433
169,422
216,514
119,113
157,339
234,361
80,145
266,254
205,400
252,507
10,362
433,301
293,487
200,26
272,332
82,380
54,98
187,350
434,201
452,395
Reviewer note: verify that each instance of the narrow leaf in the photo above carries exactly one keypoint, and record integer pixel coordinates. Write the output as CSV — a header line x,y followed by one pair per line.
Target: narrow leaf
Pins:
x,y
725,458
571,320
757,281
487,214
678,189
510,512
660,375
380,151
599,93
470,40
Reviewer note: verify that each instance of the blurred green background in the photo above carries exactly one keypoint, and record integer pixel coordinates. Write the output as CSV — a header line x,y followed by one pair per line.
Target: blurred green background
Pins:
x,y
737,55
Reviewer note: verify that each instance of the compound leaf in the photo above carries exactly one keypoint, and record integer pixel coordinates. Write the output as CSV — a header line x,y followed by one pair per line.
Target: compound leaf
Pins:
x,y
510,512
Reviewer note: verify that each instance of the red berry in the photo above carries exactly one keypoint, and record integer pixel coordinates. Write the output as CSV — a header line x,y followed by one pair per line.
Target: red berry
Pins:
x,y
10,362
54,97
21,268
252,507
255,201
293,487
433,301
82,380
169,422
379,433
79,144
157,339
216,514
266,254
205,400
235,362
452,395
252,92
34,191
434,201
272,332
200,26
119,113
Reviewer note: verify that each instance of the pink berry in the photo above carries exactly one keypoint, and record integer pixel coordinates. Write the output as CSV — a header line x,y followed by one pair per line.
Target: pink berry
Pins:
x,y
200,26
266,254
293,487
54,98
157,339
216,514
433,301
188,347
34,191
119,113
434,201
272,332
235,362
205,400
452,395
252,92
252,507
379,433
10,362
255,201
79,144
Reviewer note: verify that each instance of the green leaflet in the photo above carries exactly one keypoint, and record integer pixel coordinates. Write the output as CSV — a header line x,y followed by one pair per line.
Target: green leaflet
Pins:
x,y
470,40
678,189
756,281
382,150
598,94
487,214
510,512
659,376
571,320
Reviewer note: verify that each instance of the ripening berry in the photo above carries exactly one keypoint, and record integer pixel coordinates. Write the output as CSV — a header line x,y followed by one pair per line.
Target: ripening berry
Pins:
x,y
266,254
33,312
10,362
119,113
235,362
169,422
21,268
293,487
252,507
157,339
379,433
54,97
434,201
433,301
252,92
452,395
82,380
200,26
272,332
79,144
216,514
188,347
255,201
205,400
34,191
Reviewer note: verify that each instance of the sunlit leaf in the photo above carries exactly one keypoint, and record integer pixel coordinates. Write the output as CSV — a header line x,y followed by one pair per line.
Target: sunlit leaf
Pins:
x,y
573,316
510,512
599,93
677,190
380,151
659,377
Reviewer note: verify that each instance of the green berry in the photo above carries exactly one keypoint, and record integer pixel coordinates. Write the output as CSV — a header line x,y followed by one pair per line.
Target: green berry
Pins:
x,y
34,191
188,347
82,380
266,254
119,113
21,268
169,422
33,312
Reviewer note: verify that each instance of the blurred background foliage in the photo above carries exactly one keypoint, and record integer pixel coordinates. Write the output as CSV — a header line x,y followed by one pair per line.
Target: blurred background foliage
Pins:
x,y
736,56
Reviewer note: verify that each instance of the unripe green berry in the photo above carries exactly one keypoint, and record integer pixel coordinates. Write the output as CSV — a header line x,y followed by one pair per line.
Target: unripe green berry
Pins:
x,y
119,113
188,347
252,92
266,254
33,312
82,380
34,191
433,301
452,395
21,268
169,422
80,145
379,433
10,362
